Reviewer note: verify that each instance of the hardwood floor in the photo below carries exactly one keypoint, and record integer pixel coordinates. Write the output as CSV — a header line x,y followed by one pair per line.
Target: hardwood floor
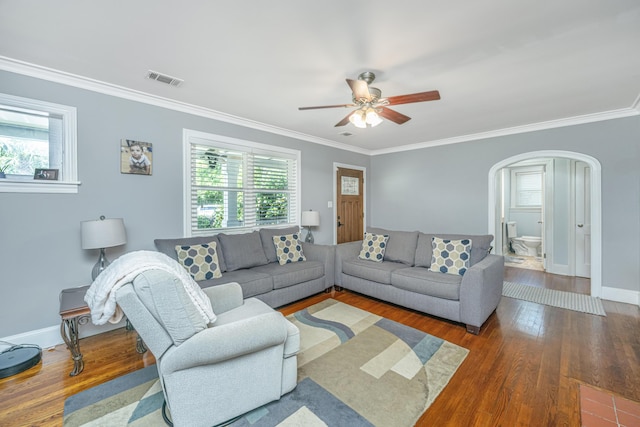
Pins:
x,y
523,369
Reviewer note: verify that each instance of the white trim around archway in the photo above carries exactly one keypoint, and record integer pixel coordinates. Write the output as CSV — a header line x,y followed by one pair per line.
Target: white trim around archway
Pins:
x,y
596,204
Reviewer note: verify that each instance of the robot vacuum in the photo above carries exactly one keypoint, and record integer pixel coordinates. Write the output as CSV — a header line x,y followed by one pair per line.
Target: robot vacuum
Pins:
x,y
19,358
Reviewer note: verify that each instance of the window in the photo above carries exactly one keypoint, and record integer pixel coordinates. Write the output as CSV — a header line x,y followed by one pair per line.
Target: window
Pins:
x,y
526,186
238,185
37,134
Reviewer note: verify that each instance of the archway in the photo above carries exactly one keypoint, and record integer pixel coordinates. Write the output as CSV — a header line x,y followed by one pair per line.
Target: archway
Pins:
x,y
596,204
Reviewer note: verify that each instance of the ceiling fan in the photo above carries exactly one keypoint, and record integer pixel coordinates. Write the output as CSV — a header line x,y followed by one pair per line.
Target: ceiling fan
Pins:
x,y
371,106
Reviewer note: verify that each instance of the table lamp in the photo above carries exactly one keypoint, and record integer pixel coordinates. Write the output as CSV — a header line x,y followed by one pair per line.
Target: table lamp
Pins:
x,y
101,234
310,219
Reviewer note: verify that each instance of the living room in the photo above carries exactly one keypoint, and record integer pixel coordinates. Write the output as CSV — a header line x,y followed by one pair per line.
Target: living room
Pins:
x,y
442,187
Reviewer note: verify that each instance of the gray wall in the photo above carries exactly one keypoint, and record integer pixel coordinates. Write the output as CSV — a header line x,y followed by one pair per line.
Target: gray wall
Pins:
x,y
40,251
451,186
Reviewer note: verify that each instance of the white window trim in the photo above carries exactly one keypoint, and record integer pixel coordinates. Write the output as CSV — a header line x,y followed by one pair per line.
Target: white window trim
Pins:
x,y
69,174
190,136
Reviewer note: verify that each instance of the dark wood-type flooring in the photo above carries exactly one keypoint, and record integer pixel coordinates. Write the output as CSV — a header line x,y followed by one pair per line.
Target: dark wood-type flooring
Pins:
x,y
523,369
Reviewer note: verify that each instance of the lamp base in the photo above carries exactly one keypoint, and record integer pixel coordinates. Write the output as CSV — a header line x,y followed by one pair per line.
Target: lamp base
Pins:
x,y
309,238
102,263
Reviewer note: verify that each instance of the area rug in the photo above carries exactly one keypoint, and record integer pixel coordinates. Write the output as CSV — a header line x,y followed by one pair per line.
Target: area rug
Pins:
x,y
561,299
354,369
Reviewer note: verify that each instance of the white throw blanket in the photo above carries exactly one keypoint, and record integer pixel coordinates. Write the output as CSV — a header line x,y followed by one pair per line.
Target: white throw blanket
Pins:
x,y
101,296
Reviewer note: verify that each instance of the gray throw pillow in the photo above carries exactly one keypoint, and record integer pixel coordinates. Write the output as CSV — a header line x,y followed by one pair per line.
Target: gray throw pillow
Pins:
x,y
242,250
401,246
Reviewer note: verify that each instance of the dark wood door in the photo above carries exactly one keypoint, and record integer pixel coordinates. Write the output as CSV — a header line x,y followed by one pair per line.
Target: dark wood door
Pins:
x,y
350,201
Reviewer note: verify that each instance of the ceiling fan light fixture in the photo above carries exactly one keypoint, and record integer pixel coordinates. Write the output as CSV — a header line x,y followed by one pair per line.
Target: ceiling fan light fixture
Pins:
x,y
358,119
372,118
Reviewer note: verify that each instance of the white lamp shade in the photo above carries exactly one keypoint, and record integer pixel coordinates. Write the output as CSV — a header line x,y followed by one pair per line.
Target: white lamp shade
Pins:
x,y
310,219
103,233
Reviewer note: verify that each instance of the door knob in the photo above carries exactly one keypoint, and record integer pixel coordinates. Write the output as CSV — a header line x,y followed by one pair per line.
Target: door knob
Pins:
x,y
580,225
339,224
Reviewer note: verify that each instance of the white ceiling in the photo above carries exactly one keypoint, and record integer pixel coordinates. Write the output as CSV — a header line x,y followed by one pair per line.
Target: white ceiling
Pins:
x,y
501,66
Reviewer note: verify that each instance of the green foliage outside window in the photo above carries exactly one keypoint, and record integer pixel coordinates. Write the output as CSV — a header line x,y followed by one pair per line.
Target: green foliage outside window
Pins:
x,y
223,171
21,157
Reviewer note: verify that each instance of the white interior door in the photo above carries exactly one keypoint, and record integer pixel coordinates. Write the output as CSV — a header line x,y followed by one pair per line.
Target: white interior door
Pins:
x,y
583,220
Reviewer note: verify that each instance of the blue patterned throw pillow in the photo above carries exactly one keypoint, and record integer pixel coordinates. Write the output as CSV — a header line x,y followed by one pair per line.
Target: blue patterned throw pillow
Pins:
x,y
450,256
373,247
288,248
201,261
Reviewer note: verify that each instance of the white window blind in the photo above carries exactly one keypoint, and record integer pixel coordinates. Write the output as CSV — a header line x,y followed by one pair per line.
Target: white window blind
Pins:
x,y
239,185
528,189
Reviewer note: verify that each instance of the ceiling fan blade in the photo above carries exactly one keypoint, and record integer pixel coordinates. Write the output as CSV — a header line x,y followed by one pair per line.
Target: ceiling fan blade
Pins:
x,y
394,116
360,89
433,95
327,106
344,121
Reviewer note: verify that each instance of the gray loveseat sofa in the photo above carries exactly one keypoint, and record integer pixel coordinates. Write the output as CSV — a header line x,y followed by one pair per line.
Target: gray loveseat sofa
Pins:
x,y
250,260
404,277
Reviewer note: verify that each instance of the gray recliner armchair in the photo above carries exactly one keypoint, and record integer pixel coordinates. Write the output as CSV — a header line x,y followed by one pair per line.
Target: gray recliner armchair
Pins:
x,y
216,372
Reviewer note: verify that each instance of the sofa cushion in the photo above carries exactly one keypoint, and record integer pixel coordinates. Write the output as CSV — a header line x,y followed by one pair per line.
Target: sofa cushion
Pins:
x,y
168,246
293,273
165,297
252,282
424,252
288,248
266,236
422,281
201,261
379,272
450,256
373,247
242,250
401,246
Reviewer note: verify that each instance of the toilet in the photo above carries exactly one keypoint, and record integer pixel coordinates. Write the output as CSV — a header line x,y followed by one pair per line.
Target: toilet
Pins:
x,y
523,245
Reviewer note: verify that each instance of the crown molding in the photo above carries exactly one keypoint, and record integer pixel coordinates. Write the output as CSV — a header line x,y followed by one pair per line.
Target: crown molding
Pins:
x,y
57,76
62,77
634,110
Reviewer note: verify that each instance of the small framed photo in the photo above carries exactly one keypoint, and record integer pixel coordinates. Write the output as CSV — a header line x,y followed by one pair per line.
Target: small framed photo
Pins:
x,y
48,174
136,157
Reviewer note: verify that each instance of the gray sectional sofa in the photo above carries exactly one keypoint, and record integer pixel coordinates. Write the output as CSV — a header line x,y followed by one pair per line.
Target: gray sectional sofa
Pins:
x,y
250,260
404,277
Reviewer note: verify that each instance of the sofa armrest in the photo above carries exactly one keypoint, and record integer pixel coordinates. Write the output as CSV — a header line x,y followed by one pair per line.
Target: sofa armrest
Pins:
x,y
324,254
219,343
481,290
344,251
224,297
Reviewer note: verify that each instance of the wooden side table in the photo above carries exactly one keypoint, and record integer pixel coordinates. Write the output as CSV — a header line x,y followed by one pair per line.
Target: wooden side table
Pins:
x,y
75,312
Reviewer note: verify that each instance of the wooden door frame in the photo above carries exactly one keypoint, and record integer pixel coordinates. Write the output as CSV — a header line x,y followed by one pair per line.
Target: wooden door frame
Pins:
x,y
337,165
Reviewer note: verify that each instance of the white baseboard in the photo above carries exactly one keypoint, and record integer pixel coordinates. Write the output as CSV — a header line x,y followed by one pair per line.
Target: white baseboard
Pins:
x,y
45,338
50,337
621,295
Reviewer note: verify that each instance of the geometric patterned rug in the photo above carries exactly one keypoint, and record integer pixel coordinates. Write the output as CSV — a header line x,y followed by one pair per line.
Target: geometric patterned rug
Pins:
x,y
561,299
354,369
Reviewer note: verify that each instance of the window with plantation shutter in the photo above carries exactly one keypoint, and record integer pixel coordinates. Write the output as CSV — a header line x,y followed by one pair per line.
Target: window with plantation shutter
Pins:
x,y
238,185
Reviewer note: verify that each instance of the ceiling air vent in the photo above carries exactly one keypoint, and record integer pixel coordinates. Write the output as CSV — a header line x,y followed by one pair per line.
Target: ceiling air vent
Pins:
x,y
163,78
